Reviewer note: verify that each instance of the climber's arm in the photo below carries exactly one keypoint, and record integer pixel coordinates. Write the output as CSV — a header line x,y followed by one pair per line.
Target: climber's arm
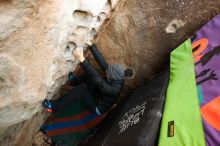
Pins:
x,y
94,76
76,80
103,87
98,57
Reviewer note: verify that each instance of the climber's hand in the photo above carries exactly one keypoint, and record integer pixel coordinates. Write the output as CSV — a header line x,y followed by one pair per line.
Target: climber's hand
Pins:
x,y
79,55
89,43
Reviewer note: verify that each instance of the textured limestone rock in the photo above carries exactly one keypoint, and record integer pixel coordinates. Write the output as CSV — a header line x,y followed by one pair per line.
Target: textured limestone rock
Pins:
x,y
34,57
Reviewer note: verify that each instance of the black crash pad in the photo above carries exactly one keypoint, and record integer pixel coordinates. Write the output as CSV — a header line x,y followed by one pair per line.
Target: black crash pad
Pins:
x,y
136,121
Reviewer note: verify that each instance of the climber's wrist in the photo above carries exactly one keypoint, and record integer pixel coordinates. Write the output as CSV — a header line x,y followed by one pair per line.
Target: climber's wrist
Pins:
x,y
82,59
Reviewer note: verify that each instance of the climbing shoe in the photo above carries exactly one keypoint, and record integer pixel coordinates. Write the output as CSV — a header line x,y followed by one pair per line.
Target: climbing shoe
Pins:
x,y
48,105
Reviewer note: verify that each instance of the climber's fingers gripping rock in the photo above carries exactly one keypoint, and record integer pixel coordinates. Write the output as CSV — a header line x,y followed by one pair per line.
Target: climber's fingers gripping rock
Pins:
x,y
78,55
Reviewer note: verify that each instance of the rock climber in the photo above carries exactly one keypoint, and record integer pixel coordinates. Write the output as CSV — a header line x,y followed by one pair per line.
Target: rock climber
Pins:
x,y
100,93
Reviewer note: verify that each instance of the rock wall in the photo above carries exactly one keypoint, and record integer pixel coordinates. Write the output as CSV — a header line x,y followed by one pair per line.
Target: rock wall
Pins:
x,y
143,32
34,57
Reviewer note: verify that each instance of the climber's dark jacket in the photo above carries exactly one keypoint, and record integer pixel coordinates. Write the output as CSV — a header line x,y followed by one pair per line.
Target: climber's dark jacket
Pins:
x,y
104,90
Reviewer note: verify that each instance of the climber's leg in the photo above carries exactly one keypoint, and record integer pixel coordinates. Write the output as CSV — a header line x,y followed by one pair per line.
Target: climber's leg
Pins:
x,y
79,92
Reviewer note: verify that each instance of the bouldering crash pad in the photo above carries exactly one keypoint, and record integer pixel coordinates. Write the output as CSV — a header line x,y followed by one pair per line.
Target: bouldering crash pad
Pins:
x,y
136,121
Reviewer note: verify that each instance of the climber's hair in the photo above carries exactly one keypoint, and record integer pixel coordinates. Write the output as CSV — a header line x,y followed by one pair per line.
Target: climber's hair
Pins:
x,y
129,73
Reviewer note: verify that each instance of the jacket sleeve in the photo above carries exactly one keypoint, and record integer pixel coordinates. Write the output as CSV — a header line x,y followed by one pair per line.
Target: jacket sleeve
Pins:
x,y
101,84
78,80
98,57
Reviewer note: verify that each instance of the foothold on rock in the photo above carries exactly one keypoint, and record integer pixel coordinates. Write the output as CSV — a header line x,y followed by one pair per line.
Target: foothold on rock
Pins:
x,y
83,16
72,45
93,32
81,30
69,49
107,7
109,3
101,16
98,19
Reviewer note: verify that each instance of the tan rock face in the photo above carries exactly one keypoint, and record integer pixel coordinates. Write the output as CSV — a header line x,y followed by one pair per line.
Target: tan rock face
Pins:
x,y
34,57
